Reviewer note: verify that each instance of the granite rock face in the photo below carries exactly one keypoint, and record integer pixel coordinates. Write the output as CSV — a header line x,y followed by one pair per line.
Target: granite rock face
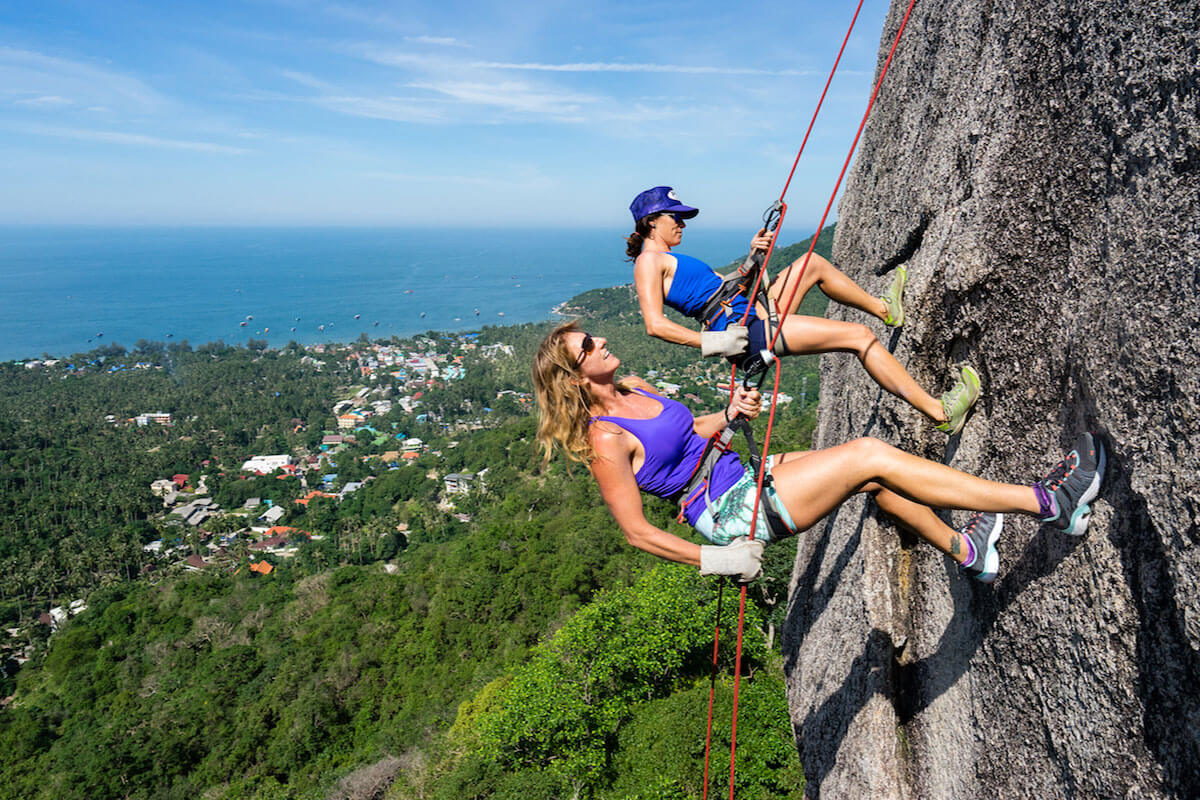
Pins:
x,y
1036,166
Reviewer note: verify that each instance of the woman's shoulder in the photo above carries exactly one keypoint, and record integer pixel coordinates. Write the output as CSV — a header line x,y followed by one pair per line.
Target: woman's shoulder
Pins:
x,y
608,439
654,259
636,382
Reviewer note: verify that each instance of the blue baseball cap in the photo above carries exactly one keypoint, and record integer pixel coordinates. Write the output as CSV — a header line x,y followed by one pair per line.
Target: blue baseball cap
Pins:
x,y
660,199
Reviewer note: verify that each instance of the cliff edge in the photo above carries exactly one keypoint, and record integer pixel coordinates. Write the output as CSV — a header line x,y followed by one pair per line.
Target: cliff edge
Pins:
x,y
1037,169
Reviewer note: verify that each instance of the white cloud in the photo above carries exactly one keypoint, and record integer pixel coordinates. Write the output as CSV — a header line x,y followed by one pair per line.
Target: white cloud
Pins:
x,y
462,180
45,101
511,96
131,139
304,79
24,73
600,66
396,109
391,58
441,41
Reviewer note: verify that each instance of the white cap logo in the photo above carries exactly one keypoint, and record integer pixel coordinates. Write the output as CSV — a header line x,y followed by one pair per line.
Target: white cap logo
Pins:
x,y
671,194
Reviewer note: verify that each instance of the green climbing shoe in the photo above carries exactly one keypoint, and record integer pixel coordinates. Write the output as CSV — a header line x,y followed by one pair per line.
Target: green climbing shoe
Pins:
x,y
957,402
894,299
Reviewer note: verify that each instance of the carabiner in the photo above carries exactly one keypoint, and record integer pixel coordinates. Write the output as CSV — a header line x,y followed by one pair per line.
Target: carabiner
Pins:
x,y
756,365
772,215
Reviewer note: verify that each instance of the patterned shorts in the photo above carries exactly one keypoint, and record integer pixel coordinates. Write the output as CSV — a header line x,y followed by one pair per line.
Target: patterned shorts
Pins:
x,y
735,508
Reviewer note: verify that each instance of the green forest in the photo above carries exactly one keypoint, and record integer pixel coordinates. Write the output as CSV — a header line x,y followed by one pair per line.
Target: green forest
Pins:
x,y
498,643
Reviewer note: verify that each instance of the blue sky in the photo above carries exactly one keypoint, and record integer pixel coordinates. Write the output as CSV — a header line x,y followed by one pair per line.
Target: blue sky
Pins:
x,y
521,114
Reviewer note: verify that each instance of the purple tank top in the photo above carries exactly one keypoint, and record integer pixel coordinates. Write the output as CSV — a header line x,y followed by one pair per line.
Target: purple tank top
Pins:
x,y
673,449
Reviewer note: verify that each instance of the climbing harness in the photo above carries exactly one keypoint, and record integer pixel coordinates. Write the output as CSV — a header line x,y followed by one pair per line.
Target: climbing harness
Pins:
x,y
746,281
698,484
779,208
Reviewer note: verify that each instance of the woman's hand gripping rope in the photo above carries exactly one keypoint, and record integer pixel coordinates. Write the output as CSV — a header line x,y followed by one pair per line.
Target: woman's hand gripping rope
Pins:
x,y
746,402
740,559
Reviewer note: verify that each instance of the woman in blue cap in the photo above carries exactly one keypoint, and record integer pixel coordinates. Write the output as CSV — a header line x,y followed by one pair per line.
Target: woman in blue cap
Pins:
x,y
687,284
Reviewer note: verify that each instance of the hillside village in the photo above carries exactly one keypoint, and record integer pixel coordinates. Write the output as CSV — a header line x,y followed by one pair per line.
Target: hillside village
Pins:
x,y
397,378
391,381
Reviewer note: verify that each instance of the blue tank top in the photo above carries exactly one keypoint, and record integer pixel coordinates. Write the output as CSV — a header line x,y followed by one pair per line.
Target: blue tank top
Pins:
x,y
693,284
673,448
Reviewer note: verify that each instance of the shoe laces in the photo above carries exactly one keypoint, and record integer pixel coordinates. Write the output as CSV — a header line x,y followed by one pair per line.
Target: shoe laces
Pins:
x,y
956,396
1058,475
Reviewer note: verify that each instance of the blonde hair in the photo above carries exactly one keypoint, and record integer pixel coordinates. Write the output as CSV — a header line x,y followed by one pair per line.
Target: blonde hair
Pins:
x,y
564,399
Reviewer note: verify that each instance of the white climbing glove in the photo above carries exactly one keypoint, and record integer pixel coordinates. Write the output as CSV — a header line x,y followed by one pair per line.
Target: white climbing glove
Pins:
x,y
741,559
732,341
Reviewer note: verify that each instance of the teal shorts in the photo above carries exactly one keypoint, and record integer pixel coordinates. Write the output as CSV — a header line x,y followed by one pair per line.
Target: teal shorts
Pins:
x,y
735,508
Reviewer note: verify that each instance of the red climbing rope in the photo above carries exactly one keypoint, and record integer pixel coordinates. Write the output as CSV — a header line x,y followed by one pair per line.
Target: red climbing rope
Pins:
x,y
712,687
737,664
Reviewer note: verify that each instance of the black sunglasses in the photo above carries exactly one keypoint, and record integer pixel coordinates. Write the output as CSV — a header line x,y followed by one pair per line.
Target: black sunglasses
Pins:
x,y
585,347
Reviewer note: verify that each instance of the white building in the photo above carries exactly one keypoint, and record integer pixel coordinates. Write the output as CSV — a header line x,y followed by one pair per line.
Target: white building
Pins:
x,y
266,464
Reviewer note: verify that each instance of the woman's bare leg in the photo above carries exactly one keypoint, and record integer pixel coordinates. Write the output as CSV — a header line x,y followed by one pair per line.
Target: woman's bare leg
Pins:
x,y
921,520
805,335
814,485
834,283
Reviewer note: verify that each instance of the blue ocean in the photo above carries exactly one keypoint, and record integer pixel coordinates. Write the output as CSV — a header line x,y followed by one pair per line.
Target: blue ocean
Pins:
x,y
71,289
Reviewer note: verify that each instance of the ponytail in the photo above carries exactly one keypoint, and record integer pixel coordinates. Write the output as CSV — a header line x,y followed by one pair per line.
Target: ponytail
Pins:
x,y
635,240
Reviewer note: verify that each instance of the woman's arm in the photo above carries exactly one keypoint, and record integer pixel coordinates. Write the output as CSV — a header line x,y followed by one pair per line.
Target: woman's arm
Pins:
x,y
648,273
613,470
747,402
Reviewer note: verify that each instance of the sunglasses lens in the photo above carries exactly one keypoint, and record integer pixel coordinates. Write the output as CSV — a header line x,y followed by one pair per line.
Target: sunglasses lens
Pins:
x,y
585,347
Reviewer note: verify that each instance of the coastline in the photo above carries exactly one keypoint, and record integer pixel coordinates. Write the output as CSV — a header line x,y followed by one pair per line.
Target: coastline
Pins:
x,y
560,310
72,291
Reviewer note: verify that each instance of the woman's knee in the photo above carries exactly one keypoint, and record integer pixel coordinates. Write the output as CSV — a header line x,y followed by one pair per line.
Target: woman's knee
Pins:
x,y
870,451
861,339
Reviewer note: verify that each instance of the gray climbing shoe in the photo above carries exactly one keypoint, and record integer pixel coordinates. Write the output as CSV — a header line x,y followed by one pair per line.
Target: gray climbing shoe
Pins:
x,y
983,531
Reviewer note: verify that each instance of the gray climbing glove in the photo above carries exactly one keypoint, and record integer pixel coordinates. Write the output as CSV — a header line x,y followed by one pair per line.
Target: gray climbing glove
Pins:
x,y
732,341
741,559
